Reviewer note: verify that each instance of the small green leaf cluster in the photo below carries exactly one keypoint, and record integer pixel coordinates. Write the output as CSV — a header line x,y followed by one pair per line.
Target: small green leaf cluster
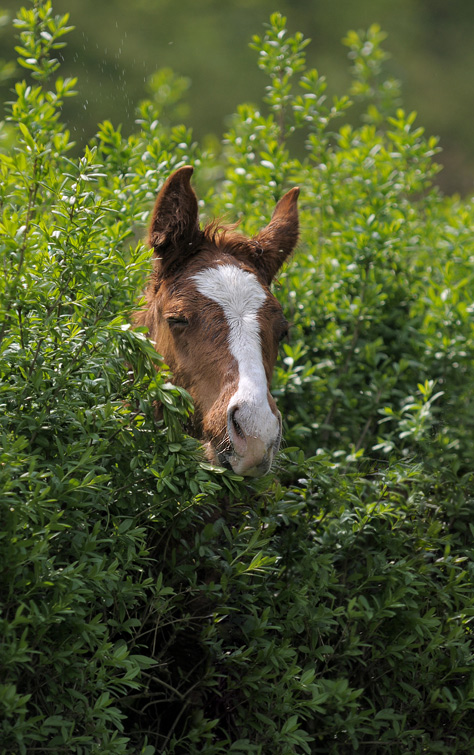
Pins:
x,y
39,32
152,603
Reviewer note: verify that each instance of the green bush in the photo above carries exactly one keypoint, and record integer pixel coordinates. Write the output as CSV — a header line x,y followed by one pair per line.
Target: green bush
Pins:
x,y
152,603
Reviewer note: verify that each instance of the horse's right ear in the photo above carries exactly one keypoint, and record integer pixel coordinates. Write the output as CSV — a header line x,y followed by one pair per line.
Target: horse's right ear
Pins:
x,y
174,228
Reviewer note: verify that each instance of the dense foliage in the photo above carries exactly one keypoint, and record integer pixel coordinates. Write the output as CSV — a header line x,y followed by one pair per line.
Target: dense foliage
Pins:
x,y
152,603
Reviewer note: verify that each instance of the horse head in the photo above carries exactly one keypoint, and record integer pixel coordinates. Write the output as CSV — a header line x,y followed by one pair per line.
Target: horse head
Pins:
x,y
212,317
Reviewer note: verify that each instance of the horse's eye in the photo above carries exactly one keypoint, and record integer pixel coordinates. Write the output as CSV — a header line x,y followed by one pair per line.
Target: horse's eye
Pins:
x,y
177,320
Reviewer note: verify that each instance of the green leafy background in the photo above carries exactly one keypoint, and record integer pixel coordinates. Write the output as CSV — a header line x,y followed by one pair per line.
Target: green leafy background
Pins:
x,y
151,603
118,45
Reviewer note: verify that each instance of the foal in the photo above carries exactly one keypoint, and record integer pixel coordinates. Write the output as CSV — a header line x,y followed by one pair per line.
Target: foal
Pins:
x,y
212,317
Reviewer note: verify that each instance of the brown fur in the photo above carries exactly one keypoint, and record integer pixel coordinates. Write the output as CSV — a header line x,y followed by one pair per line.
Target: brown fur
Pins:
x,y
197,352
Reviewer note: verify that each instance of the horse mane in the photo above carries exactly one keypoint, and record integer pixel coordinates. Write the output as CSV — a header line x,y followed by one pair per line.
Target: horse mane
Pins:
x,y
226,238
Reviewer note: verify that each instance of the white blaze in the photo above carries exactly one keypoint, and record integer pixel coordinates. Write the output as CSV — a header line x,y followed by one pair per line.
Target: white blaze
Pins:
x,y
241,296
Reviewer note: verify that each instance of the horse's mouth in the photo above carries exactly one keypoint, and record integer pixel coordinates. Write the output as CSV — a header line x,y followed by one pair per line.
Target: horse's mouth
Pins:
x,y
234,463
223,453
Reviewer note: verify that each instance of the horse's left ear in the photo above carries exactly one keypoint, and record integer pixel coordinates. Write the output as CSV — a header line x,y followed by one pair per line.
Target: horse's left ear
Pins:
x,y
279,238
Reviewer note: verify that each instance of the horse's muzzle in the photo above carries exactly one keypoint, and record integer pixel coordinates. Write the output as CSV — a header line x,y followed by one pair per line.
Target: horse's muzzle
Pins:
x,y
252,452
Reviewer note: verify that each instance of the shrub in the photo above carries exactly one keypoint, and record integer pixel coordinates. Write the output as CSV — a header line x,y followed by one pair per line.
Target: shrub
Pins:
x,y
152,603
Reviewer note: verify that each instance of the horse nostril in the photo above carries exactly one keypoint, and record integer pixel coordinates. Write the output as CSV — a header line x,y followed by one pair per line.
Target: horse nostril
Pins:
x,y
235,424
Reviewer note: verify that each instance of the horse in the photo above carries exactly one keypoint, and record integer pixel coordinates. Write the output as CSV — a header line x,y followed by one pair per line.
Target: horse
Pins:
x,y
212,317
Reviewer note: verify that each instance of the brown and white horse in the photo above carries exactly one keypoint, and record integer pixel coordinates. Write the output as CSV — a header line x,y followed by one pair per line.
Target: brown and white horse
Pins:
x,y
212,317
